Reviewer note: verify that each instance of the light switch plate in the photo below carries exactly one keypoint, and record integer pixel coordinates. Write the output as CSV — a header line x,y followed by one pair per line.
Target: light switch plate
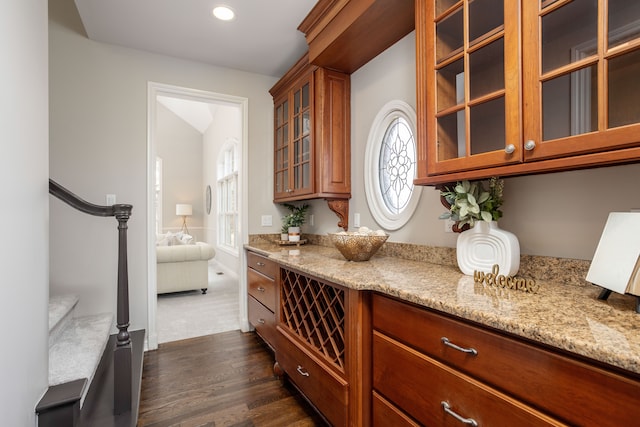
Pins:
x,y
267,220
110,199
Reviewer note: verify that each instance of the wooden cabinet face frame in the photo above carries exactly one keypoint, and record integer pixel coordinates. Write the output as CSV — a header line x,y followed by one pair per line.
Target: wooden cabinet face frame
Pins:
x,y
312,153
595,123
294,139
463,102
592,74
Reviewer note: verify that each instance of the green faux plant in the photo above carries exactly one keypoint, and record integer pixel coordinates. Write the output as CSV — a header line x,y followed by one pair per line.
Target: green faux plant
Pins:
x,y
296,217
470,202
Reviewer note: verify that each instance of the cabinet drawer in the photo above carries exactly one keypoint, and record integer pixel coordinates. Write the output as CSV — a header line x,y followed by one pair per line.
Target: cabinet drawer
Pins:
x,y
570,389
422,386
262,264
262,288
264,321
385,414
327,392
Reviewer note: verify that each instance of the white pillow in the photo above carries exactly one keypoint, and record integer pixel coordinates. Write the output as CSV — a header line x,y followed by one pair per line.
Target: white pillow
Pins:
x,y
171,239
187,239
162,240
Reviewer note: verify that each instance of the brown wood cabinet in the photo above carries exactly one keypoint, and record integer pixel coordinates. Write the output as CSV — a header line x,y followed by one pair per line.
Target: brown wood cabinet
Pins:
x,y
344,35
325,346
423,358
511,87
312,134
262,289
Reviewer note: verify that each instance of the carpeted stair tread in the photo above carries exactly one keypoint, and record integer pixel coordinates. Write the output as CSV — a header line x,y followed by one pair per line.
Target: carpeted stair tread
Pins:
x,y
61,308
77,351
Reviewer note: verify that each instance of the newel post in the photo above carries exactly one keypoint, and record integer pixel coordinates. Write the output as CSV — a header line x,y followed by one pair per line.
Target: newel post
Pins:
x,y
122,353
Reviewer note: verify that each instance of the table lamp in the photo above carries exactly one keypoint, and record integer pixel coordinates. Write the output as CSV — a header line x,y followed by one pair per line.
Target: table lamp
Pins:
x,y
184,211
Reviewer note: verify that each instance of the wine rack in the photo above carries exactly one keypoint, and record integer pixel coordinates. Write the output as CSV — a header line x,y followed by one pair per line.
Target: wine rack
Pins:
x,y
315,312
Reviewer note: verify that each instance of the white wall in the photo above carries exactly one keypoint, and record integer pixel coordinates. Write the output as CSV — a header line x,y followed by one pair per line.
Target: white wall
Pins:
x,y
24,170
99,146
559,214
180,147
225,127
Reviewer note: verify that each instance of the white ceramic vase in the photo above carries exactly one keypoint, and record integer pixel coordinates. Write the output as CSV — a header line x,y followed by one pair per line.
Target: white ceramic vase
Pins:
x,y
294,234
485,245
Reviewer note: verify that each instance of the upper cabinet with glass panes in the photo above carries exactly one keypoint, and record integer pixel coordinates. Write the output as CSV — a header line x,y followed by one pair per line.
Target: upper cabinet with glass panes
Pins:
x,y
511,87
311,134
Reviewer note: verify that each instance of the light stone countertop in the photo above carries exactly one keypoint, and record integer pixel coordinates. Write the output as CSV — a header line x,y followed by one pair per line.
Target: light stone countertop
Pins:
x,y
561,315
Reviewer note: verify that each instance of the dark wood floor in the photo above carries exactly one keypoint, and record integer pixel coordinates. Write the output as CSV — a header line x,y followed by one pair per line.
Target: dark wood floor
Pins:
x,y
225,379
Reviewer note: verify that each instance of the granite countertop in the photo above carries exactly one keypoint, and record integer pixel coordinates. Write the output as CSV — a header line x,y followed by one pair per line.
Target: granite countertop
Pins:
x,y
561,315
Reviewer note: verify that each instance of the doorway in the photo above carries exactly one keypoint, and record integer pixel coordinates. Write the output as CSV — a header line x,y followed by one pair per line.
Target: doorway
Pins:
x,y
228,259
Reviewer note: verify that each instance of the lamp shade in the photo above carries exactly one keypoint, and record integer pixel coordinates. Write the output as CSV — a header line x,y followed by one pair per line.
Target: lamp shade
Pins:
x,y
183,210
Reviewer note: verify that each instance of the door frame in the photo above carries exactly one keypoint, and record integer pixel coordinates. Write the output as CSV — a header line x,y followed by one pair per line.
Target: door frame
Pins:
x,y
154,90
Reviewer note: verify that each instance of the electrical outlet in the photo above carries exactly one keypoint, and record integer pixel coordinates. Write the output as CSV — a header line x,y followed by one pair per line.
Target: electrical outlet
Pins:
x,y
311,220
356,220
110,199
448,226
267,220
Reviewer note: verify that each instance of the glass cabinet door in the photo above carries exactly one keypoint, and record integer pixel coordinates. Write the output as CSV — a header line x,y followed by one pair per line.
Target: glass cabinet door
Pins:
x,y
281,173
584,58
475,85
293,147
301,142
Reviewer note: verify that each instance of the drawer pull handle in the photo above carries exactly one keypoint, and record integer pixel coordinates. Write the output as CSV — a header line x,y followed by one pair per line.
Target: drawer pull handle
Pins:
x,y
260,264
261,289
301,371
448,343
463,420
261,321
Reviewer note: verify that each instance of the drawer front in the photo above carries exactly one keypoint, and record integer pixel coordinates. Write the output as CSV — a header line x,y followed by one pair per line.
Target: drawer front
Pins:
x,y
573,391
327,392
262,264
385,414
422,386
262,288
264,321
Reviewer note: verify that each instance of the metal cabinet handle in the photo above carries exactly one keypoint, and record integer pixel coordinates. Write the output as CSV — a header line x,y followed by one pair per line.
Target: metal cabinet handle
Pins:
x,y
448,343
260,289
301,371
529,145
261,321
260,264
509,148
463,420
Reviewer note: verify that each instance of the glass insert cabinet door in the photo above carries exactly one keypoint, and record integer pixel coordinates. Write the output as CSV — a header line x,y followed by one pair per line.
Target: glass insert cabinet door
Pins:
x,y
584,79
281,173
301,161
293,141
473,100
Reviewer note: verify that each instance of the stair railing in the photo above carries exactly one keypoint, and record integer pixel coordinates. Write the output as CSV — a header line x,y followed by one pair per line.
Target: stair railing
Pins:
x,y
122,353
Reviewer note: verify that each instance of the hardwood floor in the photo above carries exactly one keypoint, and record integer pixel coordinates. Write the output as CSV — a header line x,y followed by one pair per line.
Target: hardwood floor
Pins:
x,y
224,379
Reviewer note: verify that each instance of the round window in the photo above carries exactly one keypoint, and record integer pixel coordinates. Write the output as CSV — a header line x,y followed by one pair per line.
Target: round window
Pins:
x,y
390,166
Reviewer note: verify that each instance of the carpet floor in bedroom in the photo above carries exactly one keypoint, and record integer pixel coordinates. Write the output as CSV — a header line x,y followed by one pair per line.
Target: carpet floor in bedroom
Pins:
x,y
190,314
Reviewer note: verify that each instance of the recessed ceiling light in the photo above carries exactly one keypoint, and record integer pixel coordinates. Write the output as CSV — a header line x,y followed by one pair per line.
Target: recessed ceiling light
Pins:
x,y
224,13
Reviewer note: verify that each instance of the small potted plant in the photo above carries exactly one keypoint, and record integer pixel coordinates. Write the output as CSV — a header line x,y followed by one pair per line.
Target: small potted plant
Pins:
x,y
284,230
469,202
294,220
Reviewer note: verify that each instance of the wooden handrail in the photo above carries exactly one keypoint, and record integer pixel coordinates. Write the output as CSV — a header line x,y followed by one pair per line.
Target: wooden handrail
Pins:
x,y
122,353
